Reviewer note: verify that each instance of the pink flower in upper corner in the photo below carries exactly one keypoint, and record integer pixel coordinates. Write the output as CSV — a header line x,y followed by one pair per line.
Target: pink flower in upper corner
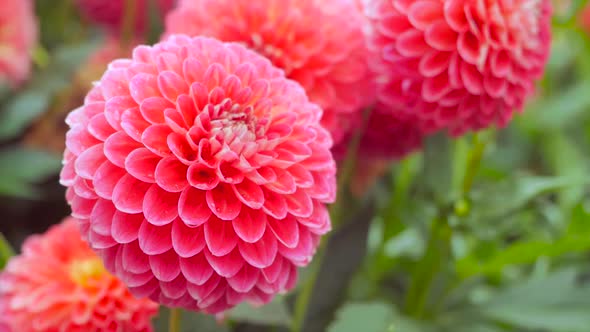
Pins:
x,y
18,35
318,43
111,13
459,65
59,284
200,174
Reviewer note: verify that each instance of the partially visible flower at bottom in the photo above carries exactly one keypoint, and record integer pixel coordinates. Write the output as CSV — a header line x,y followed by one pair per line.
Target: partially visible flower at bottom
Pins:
x,y
59,284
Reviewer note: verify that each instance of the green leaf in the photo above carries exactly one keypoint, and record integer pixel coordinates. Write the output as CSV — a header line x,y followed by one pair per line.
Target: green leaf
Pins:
x,y
6,251
274,313
523,253
366,317
20,167
21,110
500,199
555,303
437,167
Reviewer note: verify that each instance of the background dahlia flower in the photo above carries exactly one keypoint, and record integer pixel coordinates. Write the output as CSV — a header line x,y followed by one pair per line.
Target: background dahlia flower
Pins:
x,y
59,284
18,34
318,43
111,13
457,64
200,174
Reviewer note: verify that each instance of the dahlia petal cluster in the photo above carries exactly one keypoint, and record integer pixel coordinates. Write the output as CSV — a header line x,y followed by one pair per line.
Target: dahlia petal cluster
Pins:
x,y
111,13
18,34
318,43
200,174
59,284
459,65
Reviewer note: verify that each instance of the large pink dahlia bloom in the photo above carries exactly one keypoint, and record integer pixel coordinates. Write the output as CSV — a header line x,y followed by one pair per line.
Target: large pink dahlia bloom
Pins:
x,y
200,174
59,284
318,43
458,64
18,34
111,13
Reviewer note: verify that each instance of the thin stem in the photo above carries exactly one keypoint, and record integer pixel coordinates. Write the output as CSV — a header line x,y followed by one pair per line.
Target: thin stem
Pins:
x,y
438,251
174,320
128,26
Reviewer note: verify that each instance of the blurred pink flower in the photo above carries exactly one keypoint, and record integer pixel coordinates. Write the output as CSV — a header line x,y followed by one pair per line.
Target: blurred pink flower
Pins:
x,y
457,64
200,174
18,35
111,13
59,284
318,43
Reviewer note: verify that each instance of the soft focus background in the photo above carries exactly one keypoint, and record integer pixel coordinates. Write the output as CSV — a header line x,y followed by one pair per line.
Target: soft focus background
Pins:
x,y
519,254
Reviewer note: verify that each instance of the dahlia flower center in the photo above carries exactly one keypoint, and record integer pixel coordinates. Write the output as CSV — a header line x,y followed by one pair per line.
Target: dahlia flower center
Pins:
x,y
83,271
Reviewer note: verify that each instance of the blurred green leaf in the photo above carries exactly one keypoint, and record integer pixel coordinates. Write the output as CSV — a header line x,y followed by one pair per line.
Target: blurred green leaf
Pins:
x,y
556,303
559,111
274,313
6,251
437,167
20,167
366,317
496,200
23,108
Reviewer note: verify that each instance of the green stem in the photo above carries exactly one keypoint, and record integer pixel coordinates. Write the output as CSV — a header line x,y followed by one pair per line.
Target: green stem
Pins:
x,y
174,320
128,26
432,262
438,250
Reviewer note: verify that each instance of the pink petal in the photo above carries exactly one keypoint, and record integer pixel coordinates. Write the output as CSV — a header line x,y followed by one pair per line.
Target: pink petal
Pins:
x,y
143,86
152,109
125,227
89,161
262,253
250,225
99,127
220,236
302,253
271,273
133,123
160,207
245,279
196,269
118,146
249,193
106,178
274,204
193,208
222,202
134,259
102,216
286,231
154,138
174,289
171,175
299,204
187,241
202,177
226,266
171,85
141,163
154,240
165,266
129,193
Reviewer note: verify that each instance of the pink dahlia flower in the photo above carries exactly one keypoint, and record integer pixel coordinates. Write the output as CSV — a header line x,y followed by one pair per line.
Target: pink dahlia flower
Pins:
x,y
386,137
318,43
111,13
457,64
18,34
200,174
59,284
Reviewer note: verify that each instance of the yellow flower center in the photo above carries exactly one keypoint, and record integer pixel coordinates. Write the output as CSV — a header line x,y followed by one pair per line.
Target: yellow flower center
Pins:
x,y
83,271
